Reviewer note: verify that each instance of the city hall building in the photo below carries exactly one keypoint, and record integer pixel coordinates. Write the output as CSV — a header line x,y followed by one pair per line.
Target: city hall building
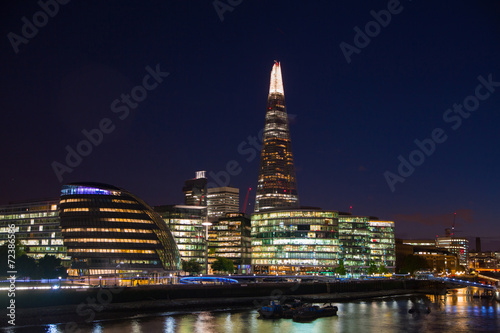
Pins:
x,y
109,231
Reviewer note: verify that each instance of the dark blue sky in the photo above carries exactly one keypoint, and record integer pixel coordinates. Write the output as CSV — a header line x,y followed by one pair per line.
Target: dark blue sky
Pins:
x,y
349,121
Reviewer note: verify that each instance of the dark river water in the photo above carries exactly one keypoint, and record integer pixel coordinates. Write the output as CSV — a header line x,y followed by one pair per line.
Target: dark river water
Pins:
x,y
448,314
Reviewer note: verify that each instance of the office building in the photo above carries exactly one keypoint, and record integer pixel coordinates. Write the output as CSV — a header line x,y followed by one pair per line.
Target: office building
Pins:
x,y
231,239
382,244
277,184
195,190
185,224
222,200
455,245
302,241
354,237
37,228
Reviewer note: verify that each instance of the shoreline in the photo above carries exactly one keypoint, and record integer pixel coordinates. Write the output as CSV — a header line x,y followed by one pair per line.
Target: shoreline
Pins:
x,y
112,311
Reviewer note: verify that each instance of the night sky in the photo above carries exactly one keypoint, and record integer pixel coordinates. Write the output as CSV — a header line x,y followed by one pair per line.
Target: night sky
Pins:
x,y
350,121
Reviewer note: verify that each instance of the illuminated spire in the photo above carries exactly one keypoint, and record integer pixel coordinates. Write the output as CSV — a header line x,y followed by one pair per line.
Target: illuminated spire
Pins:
x,y
276,85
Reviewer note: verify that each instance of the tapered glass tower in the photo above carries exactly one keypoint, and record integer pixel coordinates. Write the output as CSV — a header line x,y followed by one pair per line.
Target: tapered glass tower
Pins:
x,y
277,185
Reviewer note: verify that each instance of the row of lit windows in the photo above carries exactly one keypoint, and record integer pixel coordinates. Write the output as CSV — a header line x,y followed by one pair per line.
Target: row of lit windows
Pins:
x,y
123,201
112,251
74,200
31,242
114,219
111,240
295,262
274,215
74,210
139,231
293,221
295,248
27,216
120,210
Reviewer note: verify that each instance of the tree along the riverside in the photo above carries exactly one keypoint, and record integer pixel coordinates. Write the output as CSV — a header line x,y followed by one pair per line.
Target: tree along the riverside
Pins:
x,y
192,266
223,265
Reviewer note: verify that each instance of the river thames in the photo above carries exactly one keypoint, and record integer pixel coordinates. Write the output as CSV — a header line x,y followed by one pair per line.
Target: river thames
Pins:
x,y
390,314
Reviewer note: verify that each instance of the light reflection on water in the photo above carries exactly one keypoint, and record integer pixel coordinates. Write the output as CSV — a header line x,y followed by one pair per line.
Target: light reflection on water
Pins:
x,y
453,314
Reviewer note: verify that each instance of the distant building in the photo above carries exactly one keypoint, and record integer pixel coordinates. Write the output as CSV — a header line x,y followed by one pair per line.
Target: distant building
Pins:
x,y
185,224
222,200
484,260
303,241
109,231
456,245
195,190
37,228
277,184
230,238
419,242
438,259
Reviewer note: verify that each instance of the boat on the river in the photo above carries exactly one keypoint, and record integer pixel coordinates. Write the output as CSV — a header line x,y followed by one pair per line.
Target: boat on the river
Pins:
x,y
311,312
276,310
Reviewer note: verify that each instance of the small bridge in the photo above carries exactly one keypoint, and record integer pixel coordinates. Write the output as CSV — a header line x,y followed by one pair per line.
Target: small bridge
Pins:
x,y
457,283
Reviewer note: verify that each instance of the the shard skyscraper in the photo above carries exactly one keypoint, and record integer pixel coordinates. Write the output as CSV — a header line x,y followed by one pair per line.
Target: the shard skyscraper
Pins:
x,y
277,184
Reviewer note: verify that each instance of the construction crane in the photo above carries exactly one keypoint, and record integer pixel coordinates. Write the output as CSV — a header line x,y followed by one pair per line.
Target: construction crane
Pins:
x,y
246,201
453,226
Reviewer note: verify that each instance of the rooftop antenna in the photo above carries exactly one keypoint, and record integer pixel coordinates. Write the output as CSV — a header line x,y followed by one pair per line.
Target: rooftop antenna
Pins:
x,y
350,209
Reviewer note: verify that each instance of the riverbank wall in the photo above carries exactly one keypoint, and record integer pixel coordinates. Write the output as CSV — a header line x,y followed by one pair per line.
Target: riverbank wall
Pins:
x,y
36,307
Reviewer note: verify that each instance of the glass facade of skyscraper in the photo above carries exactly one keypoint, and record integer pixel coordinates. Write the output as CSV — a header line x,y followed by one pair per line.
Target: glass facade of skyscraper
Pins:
x,y
295,241
277,184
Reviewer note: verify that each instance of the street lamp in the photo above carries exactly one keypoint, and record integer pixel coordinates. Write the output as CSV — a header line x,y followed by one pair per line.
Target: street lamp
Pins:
x,y
116,268
206,224
100,277
59,282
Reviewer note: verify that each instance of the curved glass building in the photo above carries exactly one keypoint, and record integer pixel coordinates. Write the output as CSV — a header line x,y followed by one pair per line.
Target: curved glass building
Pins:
x,y
108,230
302,241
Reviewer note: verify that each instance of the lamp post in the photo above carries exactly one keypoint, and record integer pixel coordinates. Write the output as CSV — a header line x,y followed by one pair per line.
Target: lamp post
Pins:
x,y
116,269
206,224
100,279
59,282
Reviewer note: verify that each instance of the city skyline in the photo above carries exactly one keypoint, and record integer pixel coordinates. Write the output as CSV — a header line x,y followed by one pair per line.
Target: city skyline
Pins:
x,y
356,104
